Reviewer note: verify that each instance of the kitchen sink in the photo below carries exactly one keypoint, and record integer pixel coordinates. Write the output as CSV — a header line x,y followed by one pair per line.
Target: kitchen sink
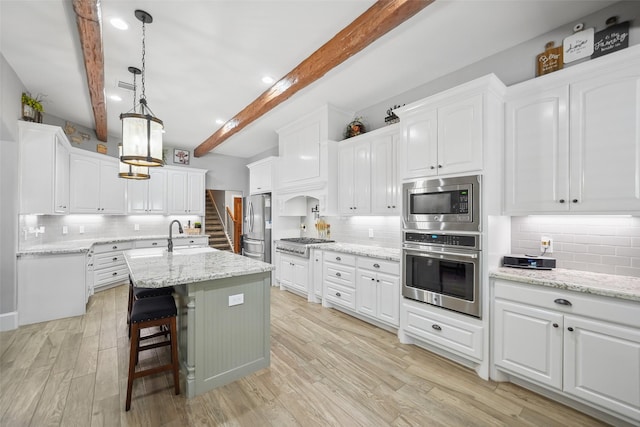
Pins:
x,y
159,252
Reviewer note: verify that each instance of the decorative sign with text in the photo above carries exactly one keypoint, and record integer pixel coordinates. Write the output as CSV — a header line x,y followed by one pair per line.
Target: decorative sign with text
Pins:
x,y
550,60
613,38
578,45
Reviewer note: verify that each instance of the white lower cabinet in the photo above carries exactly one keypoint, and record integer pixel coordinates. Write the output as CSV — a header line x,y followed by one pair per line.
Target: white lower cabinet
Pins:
x,y
455,333
365,286
109,266
294,273
583,346
378,290
338,280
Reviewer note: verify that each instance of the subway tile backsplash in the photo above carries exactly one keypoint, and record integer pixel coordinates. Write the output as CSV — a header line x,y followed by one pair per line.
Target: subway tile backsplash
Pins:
x,y
80,227
601,244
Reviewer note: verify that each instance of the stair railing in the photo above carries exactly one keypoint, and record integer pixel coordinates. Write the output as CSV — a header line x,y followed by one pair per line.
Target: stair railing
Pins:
x,y
237,230
231,244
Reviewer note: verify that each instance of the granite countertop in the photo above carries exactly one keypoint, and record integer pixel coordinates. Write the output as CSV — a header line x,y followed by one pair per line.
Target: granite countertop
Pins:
x,y
78,246
623,287
157,268
362,250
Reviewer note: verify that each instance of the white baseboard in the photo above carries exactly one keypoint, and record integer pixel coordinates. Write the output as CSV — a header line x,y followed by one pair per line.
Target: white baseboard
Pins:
x,y
9,321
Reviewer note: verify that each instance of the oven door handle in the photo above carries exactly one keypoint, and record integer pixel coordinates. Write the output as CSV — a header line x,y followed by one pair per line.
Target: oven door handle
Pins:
x,y
440,254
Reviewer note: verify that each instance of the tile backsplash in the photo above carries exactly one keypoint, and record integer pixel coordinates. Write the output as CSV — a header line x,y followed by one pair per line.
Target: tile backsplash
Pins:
x,y
62,228
601,244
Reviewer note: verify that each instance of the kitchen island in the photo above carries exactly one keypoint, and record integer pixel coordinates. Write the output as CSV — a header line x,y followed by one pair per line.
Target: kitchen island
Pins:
x,y
223,311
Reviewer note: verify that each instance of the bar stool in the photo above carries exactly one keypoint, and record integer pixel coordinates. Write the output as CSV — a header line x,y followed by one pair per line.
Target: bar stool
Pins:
x,y
136,293
147,313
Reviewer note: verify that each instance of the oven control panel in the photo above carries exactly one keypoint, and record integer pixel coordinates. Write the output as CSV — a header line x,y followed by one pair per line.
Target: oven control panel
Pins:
x,y
442,239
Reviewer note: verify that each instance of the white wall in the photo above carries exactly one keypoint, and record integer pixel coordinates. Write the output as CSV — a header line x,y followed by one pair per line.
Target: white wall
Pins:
x,y
512,65
11,89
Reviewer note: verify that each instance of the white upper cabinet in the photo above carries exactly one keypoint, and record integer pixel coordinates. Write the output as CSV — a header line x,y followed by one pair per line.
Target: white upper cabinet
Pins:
x,y
261,175
43,169
572,140
148,196
186,191
95,185
304,150
354,177
384,173
367,173
449,133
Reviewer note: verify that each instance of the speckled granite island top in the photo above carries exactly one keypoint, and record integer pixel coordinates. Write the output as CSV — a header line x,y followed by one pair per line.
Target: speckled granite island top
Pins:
x,y
362,250
157,268
622,287
78,246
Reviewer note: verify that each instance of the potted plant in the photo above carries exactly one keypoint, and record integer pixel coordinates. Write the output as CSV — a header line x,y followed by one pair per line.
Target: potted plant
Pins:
x,y
32,108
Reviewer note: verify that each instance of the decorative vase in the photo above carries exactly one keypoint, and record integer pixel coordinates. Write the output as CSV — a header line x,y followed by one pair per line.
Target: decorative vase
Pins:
x,y
28,113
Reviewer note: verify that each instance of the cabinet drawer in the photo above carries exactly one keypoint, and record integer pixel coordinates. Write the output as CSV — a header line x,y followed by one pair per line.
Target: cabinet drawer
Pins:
x,y
108,259
449,332
191,241
340,274
378,265
108,247
594,306
152,243
340,258
111,275
340,295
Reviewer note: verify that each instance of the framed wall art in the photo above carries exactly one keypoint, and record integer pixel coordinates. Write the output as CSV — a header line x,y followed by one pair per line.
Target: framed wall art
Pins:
x,y
180,157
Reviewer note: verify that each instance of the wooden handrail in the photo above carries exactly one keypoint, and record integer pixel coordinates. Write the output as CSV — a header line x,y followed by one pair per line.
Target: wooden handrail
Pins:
x,y
235,221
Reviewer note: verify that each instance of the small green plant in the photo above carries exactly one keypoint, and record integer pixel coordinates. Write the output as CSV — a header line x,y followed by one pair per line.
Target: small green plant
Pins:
x,y
35,103
197,225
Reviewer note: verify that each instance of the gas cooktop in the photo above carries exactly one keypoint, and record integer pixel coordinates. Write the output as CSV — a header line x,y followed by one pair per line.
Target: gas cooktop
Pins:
x,y
306,240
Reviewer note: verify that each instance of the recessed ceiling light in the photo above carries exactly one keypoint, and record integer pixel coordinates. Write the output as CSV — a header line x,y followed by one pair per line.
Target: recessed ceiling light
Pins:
x,y
219,121
119,23
268,80
115,98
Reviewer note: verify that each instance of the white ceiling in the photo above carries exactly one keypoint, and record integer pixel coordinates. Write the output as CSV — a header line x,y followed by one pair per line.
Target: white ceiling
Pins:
x,y
205,59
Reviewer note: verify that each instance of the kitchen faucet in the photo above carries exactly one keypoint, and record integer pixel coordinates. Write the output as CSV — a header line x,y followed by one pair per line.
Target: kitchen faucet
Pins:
x,y
170,246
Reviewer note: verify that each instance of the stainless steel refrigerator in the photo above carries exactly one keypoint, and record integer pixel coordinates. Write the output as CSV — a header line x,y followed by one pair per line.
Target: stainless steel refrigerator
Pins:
x,y
256,241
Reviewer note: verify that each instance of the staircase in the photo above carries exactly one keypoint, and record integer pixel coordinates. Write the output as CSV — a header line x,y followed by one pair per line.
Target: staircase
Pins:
x,y
215,228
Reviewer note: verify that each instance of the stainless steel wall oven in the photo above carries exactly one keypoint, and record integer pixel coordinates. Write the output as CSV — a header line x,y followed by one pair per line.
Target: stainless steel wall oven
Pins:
x,y
443,270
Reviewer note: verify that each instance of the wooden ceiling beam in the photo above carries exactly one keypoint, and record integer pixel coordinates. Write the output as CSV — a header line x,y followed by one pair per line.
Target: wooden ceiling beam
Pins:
x,y
379,19
90,31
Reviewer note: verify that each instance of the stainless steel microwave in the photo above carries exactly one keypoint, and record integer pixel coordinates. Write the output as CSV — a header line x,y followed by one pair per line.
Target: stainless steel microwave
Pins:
x,y
451,204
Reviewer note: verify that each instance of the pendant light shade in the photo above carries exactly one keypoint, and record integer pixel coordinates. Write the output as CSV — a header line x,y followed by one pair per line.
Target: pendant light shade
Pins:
x,y
141,139
141,131
128,171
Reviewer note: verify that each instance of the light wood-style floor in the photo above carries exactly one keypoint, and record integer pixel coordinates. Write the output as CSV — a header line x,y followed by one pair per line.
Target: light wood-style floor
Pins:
x,y
327,369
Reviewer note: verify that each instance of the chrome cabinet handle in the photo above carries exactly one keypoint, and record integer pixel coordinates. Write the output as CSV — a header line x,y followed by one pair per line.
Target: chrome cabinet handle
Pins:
x,y
338,294
575,201
114,273
555,325
115,258
338,274
561,200
115,247
338,258
570,329
154,244
376,265
562,301
436,327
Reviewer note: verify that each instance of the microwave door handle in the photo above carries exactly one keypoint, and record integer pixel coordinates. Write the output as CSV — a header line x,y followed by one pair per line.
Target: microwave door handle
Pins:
x,y
472,256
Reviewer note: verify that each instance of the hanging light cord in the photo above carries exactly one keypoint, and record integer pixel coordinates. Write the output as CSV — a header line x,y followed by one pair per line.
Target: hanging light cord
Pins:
x,y
143,59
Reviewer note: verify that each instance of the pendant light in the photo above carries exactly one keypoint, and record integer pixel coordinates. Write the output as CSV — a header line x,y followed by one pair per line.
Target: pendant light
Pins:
x,y
141,131
128,171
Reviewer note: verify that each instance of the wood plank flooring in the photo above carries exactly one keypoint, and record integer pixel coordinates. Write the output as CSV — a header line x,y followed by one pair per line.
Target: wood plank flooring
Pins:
x,y
327,369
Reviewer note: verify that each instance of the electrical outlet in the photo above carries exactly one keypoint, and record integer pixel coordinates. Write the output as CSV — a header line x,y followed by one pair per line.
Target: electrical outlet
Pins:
x,y
136,227
546,245
371,233
82,229
65,229
236,299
